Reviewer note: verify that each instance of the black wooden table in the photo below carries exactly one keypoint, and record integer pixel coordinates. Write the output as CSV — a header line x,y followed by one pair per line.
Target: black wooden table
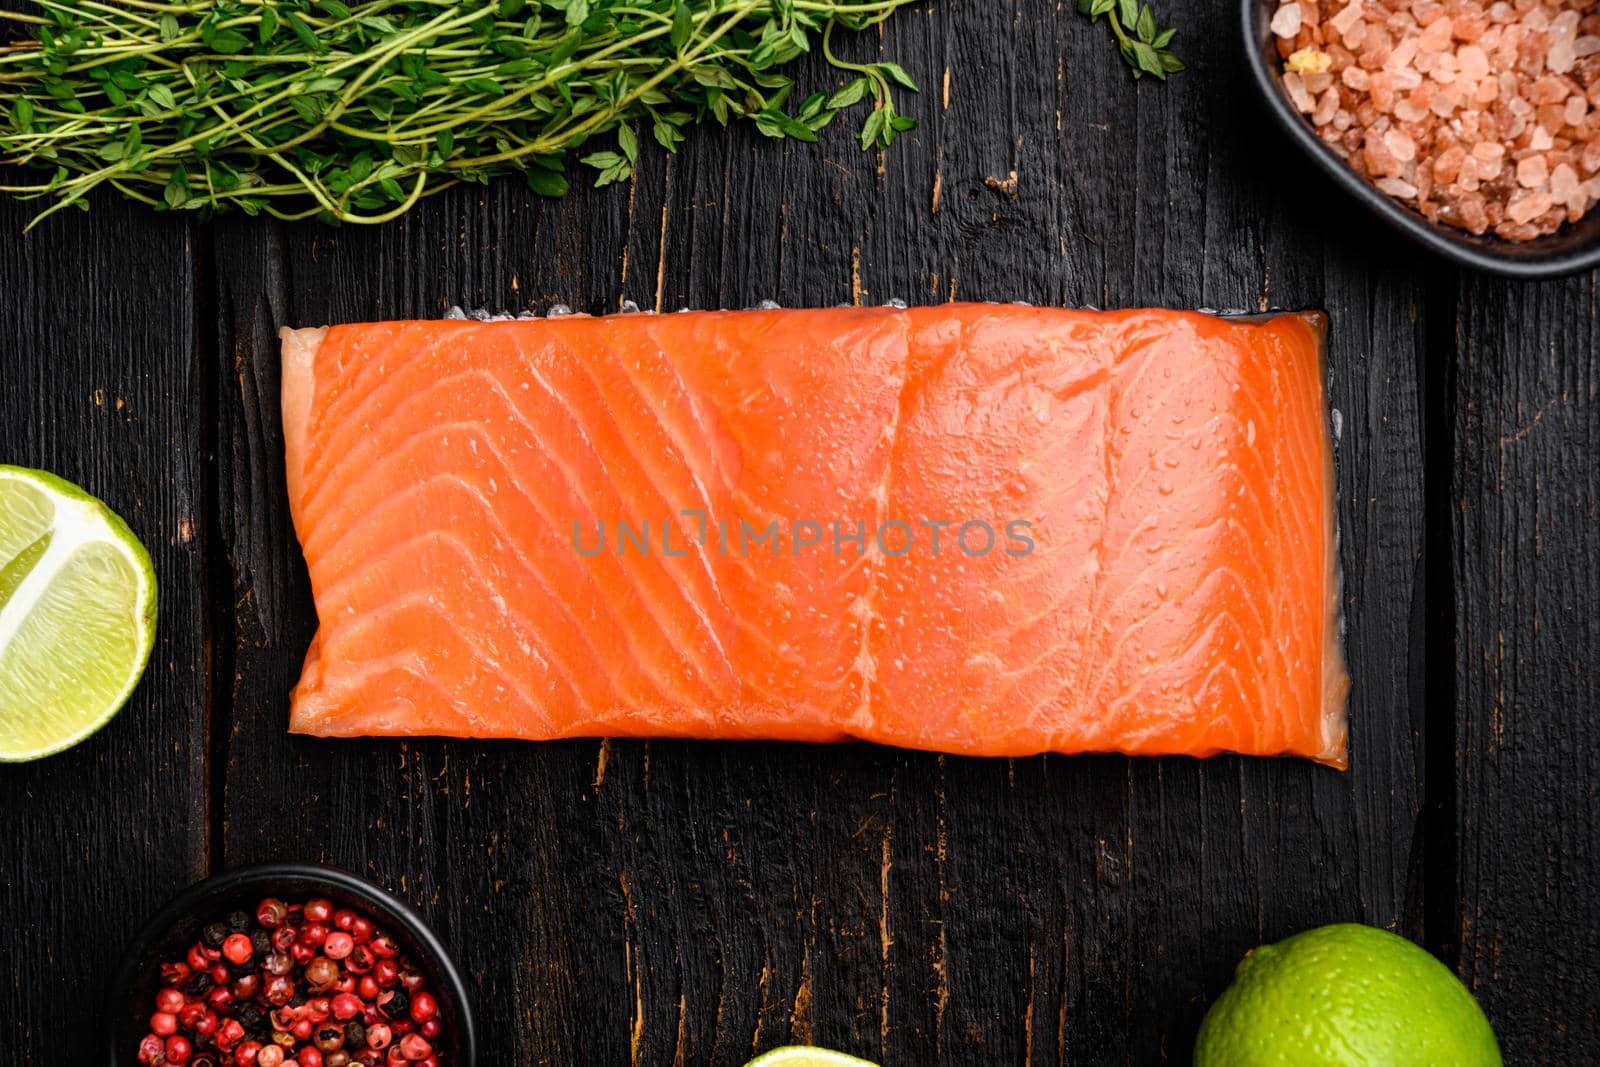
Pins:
x,y
666,902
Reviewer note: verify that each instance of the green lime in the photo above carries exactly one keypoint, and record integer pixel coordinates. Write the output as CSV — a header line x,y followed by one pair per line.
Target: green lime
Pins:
x,y
806,1056
1345,995
77,613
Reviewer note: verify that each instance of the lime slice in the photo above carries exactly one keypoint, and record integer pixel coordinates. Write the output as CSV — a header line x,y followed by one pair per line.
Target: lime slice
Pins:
x,y
806,1056
77,613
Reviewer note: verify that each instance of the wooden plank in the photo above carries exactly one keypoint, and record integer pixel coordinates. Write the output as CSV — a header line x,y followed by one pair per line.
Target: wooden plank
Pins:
x,y
101,384
665,902
1528,497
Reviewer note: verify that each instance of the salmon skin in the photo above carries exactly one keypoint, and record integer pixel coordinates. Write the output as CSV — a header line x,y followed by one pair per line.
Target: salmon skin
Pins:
x,y
987,530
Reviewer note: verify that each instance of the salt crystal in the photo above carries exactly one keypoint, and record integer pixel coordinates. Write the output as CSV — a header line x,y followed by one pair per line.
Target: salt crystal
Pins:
x,y
1562,57
1577,108
1564,27
1528,206
1585,46
1590,161
1473,62
1547,90
1448,164
1286,23
1541,139
1488,90
1403,147
1437,36
1396,187
1564,183
1381,88
1488,151
1470,26
1403,54
1408,111
1533,172
1355,78
1326,107
1317,84
1308,61
1346,18
1296,89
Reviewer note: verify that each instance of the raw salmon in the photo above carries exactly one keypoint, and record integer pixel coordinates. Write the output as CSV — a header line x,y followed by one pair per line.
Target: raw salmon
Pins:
x,y
978,529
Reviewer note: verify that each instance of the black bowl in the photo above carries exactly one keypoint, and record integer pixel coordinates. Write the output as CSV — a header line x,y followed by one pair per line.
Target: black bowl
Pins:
x,y
1575,247
169,935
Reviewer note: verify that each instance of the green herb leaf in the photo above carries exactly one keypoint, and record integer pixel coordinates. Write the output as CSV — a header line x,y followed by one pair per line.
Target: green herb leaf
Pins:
x,y
1144,46
897,74
349,110
268,26
547,183
682,25
226,42
853,93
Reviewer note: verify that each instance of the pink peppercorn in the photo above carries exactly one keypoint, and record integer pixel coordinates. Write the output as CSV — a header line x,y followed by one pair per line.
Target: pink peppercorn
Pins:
x,y
163,1024
338,945
237,949
424,1007
178,1049
270,1056
415,1047
385,973
345,1006
379,1035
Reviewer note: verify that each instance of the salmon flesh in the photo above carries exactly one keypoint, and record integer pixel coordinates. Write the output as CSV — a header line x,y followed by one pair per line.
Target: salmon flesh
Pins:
x,y
986,530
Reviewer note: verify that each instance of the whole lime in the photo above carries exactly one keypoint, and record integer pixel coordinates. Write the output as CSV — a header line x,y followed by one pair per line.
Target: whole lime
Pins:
x,y
1341,996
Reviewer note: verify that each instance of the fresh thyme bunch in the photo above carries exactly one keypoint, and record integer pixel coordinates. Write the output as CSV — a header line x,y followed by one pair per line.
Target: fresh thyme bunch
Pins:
x,y
354,111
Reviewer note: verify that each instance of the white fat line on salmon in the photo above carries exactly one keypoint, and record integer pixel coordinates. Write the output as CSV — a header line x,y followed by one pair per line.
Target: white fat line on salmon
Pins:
x,y
975,538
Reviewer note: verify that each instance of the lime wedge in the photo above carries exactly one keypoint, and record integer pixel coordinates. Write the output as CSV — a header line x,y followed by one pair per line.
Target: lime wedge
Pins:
x,y
77,613
806,1056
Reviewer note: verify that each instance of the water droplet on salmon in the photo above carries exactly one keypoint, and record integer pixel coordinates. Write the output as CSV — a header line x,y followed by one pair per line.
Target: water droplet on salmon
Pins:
x,y
1250,432
1165,488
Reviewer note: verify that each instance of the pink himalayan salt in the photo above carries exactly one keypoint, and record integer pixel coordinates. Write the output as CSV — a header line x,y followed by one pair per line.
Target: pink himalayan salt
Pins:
x,y
1527,206
1564,184
1286,20
1533,172
1481,115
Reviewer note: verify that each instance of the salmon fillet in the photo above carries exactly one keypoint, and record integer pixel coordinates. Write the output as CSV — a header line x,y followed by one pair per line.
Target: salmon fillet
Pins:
x,y
977,529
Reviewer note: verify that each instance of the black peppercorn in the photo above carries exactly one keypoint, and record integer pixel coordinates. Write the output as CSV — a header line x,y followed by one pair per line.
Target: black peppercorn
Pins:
x,y
250,1016
355,1035
238,922
198,985
214,935
261,943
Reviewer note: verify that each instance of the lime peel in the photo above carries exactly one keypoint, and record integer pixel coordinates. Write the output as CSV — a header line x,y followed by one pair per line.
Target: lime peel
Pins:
x,y
806,1056
77,617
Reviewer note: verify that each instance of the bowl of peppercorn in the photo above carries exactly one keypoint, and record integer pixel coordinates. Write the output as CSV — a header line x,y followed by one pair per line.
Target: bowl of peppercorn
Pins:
x,y
288,965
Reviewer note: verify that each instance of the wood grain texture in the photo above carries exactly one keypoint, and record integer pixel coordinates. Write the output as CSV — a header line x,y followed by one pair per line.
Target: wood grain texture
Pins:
x,y
1528,580
675,902
100,383
671,902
